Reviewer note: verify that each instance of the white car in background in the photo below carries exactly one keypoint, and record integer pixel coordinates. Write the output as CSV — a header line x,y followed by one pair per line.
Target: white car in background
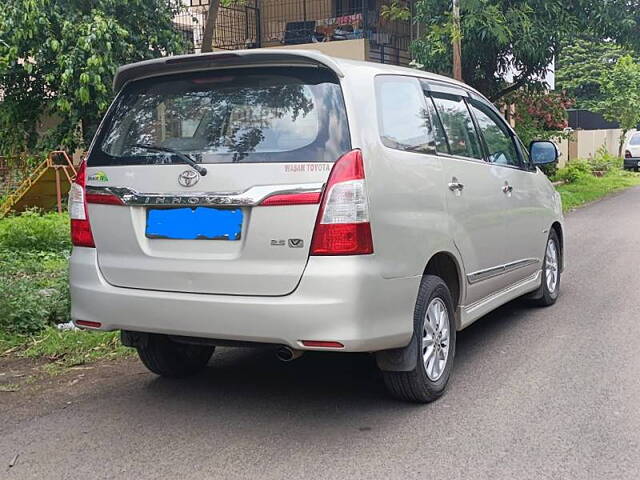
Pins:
x,y
632,153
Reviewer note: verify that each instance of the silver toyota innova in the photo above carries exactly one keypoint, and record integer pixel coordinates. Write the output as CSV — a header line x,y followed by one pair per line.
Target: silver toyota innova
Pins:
x,y
289,199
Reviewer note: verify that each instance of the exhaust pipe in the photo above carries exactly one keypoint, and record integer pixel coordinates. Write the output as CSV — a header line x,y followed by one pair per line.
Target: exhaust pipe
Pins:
x,y
286,354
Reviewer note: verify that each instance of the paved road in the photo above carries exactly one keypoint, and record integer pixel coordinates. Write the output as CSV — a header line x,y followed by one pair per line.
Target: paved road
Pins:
x,y
536,393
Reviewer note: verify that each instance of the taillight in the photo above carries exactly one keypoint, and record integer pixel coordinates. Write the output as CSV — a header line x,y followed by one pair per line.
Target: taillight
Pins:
x,y
81,235
343,227
307,198
627,154
104,199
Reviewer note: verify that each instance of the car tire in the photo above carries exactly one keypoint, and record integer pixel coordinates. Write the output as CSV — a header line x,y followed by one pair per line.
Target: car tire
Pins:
x,y
167,358
427,381
551,272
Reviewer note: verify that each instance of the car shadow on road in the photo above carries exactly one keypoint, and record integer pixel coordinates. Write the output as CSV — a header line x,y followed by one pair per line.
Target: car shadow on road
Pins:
x,y
250,379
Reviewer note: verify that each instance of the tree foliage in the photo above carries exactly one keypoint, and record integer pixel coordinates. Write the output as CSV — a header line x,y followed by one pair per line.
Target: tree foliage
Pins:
x,y
580,68
620,87
522,37
539,115
58,59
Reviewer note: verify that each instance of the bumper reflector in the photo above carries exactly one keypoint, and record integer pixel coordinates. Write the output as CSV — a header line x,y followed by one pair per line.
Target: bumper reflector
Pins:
x,y
321,344
87,323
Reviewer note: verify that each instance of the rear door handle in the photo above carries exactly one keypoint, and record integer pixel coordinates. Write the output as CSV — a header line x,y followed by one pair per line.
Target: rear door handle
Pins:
x,y
455,185
507,188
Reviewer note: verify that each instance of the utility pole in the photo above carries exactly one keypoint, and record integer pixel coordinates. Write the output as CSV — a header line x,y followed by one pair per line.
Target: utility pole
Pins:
x,y
457,42
210,26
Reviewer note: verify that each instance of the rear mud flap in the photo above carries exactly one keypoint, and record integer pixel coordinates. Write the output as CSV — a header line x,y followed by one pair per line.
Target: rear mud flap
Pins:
x,y
399,359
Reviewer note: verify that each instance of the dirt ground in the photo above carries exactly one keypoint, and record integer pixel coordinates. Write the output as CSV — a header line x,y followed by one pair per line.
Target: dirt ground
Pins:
x,y
26,391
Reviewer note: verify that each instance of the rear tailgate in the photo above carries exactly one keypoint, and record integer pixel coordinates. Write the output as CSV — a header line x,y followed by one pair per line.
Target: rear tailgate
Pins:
x,y
267,259
259,133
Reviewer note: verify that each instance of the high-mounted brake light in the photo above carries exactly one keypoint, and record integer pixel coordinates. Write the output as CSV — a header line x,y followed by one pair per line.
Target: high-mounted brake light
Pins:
x,y
81,235
343,227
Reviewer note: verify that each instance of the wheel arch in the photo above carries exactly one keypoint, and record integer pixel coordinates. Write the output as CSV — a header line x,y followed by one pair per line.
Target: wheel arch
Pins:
x,y
446,265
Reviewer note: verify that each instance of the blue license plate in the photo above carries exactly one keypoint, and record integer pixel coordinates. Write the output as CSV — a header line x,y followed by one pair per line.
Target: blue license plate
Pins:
x,y
200,223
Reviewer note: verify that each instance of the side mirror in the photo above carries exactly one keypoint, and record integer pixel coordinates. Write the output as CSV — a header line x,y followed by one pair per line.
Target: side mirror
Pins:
x,y
543,152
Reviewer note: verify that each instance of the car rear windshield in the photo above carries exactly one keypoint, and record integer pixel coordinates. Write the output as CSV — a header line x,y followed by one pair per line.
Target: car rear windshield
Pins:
x,y
245,115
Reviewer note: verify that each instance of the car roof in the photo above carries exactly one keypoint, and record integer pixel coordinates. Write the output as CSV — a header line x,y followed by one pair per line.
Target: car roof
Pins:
x,y
264,56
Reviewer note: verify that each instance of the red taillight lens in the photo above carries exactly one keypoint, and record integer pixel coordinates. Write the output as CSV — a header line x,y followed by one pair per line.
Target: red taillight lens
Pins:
x,y
627,154
342,239
103,199
81,235
291,199
343,227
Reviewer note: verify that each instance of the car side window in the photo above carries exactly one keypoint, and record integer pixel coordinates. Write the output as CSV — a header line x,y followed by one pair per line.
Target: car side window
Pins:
x,y
403,119
497,137
525,154
458,125
440,138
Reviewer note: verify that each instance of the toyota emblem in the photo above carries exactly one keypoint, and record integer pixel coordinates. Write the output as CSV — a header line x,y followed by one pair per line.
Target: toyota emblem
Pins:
x,y
188,178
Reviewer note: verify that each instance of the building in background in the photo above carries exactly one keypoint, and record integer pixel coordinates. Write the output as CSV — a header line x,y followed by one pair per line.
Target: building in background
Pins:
x,y
343,28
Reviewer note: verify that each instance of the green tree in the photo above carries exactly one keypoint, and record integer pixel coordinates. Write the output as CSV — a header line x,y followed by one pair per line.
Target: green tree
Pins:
x,y
580,67
620,87
521,36
58,59
539,115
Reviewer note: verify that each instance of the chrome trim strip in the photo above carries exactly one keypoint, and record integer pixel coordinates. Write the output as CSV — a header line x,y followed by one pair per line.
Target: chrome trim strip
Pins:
x,y
492,296
488,273
250,197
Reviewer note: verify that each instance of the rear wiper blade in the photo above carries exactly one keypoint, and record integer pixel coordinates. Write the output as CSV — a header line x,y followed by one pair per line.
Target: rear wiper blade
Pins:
x,y
182,156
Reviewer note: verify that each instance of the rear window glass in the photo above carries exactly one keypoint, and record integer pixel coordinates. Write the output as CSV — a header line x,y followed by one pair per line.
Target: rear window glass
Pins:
x,y
635,140
244,115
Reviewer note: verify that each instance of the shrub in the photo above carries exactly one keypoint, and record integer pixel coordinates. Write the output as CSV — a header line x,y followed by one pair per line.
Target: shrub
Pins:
x,y
550,169
603,161
35,232
574,170
34,290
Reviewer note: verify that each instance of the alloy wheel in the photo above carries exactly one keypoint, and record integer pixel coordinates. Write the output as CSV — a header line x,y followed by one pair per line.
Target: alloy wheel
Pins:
x,y
551,266
435,339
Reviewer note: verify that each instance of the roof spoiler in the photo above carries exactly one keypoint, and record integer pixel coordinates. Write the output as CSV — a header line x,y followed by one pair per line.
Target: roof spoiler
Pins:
x,y
212,61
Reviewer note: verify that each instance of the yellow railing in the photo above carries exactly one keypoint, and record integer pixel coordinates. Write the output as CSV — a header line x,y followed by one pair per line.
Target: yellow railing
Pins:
x,y
58,160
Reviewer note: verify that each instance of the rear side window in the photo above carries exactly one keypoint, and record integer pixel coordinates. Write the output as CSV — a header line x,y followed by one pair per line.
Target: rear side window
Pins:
x,y
403,118
635,140
458,125
243,115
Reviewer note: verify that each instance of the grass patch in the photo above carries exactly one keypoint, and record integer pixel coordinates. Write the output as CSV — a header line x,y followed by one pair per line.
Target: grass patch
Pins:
x,y
587,188
34,295
64,349
34,259
34,231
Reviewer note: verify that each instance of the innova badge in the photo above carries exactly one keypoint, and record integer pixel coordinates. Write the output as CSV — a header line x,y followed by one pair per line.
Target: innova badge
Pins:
x,y
188,178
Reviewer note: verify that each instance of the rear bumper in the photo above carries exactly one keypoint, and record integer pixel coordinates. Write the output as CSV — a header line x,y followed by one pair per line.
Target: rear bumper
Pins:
x,y
632,162
341,299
